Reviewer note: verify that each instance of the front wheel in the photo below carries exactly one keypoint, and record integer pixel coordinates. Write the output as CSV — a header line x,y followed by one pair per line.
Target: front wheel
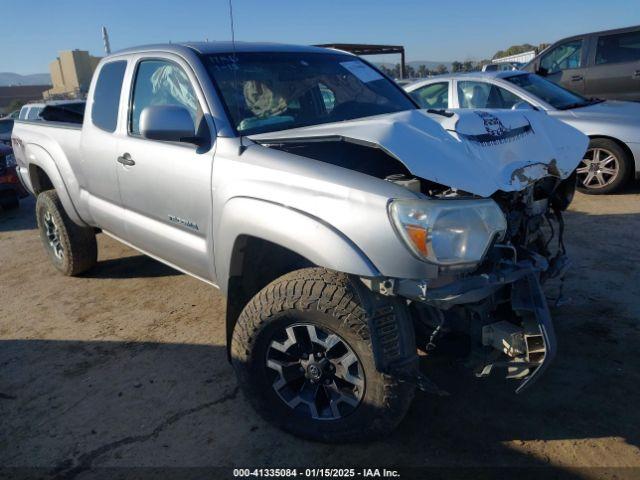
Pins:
x,y
302,352
604,169
71,248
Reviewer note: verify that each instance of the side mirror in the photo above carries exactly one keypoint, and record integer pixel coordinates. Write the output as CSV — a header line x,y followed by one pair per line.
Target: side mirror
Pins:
x,y
523,106
170,123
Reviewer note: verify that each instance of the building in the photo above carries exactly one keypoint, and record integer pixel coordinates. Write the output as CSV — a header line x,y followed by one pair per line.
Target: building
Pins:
x,y
524,57
71,74
19,94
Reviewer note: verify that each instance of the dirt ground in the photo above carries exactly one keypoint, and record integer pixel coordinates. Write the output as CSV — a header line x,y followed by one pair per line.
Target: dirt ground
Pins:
x,y
126,366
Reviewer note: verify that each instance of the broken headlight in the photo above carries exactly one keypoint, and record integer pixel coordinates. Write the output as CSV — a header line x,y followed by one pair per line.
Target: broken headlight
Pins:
x,y
448,232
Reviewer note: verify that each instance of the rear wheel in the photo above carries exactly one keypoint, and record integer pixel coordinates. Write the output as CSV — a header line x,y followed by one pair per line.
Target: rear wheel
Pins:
x,y
302,352
604,169
71,248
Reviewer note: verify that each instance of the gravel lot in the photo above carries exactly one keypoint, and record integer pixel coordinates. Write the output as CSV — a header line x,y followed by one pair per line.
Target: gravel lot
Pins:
x,y
126,366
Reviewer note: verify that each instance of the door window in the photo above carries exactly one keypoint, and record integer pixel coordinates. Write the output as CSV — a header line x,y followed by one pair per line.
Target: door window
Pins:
x,y
161,82
472,94
623,47
435,95
562,57
106,97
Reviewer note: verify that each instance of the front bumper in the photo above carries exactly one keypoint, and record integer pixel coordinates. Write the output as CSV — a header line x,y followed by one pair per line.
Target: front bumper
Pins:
x,y
534,343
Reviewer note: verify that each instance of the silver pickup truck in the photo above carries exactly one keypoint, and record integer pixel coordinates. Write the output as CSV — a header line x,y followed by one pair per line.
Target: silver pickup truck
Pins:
x,y
348,229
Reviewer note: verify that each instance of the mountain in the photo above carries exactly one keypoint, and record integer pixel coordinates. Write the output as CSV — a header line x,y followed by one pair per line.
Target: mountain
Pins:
x,y
9,79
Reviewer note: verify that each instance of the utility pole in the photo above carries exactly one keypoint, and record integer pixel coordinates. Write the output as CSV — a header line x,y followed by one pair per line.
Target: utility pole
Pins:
x,y
105,38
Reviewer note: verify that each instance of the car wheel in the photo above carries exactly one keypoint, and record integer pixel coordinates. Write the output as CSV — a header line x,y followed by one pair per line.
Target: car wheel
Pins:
x,y
302,351
604,168
71,248
9,202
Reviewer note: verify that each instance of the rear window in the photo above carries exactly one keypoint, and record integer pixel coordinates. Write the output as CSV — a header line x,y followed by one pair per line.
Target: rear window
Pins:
x,y
623,47
106,96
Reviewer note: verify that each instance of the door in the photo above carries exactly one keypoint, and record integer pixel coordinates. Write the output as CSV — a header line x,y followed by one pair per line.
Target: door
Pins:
x,y
98,145
614,71
564,64
166,186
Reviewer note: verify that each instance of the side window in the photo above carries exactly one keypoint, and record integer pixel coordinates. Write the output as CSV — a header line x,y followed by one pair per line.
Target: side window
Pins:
x,y
106,96
562,57
623,47
473,94
485,95
161,82
507,99
23,113
435,95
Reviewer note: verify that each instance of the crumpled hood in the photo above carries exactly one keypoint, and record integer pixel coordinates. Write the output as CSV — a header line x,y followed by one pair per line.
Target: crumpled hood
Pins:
x,y
478,151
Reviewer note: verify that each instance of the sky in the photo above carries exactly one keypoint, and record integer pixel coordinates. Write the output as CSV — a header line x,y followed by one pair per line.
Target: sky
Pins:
x,y
34,31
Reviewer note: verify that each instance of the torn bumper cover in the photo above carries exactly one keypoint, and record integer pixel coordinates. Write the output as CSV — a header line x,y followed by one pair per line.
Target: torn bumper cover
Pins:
x,y
530,346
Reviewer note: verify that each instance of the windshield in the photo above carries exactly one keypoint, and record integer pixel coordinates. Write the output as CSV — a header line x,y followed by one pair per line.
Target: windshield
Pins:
x,y
265,92
550,92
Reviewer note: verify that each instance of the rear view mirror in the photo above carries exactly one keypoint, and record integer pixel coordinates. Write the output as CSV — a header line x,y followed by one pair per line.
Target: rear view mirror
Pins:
x,y
170,123
523,106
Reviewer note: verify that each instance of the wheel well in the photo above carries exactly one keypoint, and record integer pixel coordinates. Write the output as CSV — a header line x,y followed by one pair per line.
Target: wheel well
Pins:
x,y
40,181
620,143
254,264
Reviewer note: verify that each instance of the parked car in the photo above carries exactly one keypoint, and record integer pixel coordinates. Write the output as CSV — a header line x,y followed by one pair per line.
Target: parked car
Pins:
x,y
501,67
6,126
344,224
599,64
12,115
11,190
30,111
613,127
33,111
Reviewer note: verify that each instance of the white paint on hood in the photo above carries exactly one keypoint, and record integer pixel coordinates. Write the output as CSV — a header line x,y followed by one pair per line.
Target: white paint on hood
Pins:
x,y
478,151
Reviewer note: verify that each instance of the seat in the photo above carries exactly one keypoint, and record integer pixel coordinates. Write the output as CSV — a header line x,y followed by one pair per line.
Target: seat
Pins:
x,y
478,97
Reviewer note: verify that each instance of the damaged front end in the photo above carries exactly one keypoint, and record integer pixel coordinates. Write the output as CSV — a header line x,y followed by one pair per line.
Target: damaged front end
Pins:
x,y
486,192
500,305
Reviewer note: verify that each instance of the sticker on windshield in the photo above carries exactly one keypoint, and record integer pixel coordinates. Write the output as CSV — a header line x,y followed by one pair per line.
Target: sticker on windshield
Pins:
x,y
361,70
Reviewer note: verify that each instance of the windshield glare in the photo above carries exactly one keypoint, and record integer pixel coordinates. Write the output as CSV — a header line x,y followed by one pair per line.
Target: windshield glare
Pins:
x,y
265,92
548,91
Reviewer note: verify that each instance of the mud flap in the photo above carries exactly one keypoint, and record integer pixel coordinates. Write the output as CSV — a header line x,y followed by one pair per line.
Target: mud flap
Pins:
x,y
528,300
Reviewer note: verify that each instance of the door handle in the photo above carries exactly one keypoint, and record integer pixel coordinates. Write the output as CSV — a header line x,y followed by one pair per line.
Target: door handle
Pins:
x,y
636,74
577,78
125,159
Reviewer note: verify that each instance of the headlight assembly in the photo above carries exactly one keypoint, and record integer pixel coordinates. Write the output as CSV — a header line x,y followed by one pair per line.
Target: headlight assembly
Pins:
x,y
448,232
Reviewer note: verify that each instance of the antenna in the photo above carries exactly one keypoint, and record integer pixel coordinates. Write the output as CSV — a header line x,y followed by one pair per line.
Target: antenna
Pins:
x,y
235,71
105,39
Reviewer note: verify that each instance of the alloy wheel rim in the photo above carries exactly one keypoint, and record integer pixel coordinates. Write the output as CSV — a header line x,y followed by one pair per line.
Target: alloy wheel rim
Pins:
x,y
315,372
53,236
598,169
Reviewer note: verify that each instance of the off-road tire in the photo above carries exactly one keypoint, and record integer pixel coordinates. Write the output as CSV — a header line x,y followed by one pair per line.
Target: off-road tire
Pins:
x,y
624,162
333,302
80,250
